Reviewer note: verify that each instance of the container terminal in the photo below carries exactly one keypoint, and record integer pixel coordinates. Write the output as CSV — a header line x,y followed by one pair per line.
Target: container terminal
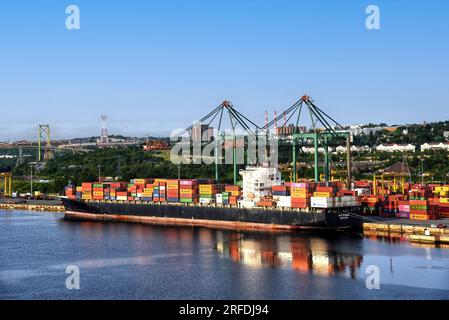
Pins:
x,y
262,200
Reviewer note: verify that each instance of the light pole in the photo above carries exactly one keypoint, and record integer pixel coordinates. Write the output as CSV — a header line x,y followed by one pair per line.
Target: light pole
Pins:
x,y
31,177
422,171
99,172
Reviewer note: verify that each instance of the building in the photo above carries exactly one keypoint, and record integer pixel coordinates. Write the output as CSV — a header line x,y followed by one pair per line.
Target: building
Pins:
x,y
446,134
435,146
156,145
290,129
342,149
358,130
394,147
312,149
202,132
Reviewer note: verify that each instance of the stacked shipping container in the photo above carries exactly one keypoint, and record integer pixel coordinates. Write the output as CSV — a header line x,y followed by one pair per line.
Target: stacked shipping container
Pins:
x,y
188,190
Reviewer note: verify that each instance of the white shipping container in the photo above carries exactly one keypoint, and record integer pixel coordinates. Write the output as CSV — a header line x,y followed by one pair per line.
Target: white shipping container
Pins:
x,y
205,200
247,204
361,191
282,198
321,202
284,204
122,198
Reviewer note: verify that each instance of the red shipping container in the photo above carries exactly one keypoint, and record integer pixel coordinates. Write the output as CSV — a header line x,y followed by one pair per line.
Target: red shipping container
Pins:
x,y
325,189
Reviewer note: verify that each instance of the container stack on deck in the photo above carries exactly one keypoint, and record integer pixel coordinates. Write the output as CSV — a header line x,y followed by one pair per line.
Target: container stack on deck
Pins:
x,y
207,193
86,190
188,190
173,190
420,202
301,193
70,191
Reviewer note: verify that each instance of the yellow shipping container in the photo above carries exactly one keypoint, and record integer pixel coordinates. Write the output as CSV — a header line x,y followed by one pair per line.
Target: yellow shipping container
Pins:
x,y
298,189
86,196
186,191
418,217
98,193
299,195
139,181
444,200
323,194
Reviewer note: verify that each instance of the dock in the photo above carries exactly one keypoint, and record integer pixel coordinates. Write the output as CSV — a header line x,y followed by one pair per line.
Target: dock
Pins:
x,y
35,205
416,231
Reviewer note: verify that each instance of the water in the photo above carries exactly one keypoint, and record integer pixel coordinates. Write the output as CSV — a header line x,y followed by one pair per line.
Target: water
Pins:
x,y
132,261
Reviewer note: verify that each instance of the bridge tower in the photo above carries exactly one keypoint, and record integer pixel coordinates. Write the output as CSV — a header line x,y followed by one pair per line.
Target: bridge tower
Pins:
x,y
44,137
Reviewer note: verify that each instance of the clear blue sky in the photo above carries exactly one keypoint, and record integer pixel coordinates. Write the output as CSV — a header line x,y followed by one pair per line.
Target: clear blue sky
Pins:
x,y
153,66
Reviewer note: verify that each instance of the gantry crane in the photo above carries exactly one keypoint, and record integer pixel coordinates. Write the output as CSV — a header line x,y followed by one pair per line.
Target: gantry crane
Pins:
x,y
7,184
225,111
325,136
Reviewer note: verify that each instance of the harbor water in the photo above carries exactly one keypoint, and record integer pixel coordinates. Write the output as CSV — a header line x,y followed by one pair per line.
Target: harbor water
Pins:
x,y
136,261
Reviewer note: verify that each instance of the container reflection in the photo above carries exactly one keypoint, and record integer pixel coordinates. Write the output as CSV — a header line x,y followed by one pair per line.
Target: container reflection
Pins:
x,y
304,254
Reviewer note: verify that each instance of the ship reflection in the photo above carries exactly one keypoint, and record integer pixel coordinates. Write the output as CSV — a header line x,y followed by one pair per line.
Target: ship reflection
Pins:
x,y
304,254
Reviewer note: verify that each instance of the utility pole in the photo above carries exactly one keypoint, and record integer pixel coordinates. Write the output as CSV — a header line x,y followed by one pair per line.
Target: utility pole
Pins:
x,y
31,178
118,166
99,172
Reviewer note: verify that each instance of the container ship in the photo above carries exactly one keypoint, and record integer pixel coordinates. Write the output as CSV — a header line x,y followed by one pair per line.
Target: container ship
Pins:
x,y
262,202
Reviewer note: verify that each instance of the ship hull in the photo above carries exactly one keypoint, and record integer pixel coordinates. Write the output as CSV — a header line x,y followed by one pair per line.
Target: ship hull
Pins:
x,y
210,216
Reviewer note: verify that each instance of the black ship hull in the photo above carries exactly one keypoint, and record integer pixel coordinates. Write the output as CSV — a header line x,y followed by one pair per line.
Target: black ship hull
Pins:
x,y
213,216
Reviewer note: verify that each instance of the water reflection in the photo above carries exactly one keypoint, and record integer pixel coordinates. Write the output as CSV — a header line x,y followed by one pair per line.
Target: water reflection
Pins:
x,y
399,238
306,255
